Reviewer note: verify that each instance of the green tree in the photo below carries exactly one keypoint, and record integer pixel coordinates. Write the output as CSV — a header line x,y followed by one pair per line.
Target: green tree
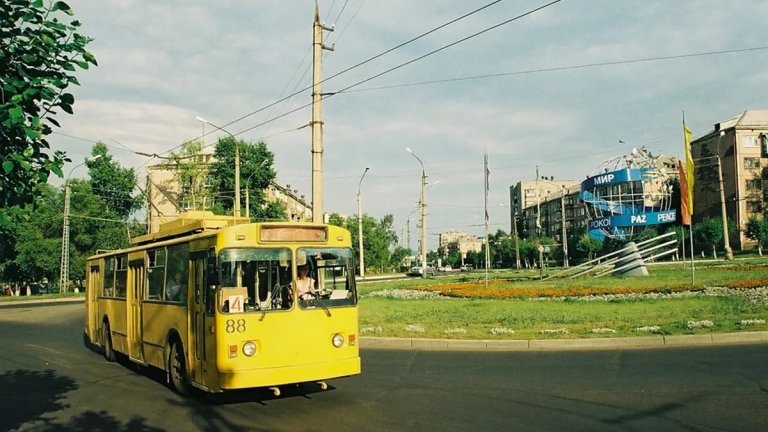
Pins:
x,y
35,240
588,246
40,49
379,239
757,230
709,233
397,257
256,174
113,183
191,175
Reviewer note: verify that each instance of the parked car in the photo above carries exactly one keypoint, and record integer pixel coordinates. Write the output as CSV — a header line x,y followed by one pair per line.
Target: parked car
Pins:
x,y
417,271
466,268
446,268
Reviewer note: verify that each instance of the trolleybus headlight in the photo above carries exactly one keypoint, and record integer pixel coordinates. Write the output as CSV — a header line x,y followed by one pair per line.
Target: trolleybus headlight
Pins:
x,y
249,349
338,340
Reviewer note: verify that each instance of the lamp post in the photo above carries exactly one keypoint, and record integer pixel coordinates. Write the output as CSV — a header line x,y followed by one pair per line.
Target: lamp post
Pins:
x,y
236,205
360,223
64,269
423,215
726,237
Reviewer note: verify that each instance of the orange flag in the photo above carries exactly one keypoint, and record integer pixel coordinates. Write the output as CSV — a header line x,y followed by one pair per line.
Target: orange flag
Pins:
x,y
685,204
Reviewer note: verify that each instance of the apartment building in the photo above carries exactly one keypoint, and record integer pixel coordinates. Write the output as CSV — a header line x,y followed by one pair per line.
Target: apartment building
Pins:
x,y
738,146
545,219
455,241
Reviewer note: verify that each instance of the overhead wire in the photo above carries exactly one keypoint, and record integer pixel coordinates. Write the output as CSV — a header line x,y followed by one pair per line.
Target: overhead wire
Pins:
x,y
560,68
401,65
370,59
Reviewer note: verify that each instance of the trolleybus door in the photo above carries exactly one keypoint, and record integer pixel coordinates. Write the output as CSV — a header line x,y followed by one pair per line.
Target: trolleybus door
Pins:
x,y
135,334
93,291
202,340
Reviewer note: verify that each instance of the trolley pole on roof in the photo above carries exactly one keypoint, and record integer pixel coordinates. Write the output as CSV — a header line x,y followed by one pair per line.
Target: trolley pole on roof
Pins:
x,y
317,118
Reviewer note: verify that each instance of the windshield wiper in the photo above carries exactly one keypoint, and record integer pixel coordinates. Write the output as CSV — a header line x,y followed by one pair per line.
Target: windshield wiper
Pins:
x,y
318,301
275,290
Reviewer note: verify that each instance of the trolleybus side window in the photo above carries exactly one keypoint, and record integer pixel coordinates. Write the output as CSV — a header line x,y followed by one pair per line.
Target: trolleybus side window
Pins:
x,y
121,275
255,279
155,273
177,272
333,269
109,277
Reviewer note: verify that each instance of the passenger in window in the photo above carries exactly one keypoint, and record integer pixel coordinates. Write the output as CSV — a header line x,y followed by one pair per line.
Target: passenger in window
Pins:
x,y
305,283
176,290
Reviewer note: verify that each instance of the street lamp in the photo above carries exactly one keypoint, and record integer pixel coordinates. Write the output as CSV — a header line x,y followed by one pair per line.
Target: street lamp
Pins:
x,y
237,164
360,223
64,269
423,214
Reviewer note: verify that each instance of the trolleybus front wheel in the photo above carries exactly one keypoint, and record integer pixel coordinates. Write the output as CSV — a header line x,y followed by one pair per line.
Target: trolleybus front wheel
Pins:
x,y
106,342
177,366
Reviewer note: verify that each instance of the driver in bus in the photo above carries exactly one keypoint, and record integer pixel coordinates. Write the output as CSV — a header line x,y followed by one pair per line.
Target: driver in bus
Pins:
x,y
305,283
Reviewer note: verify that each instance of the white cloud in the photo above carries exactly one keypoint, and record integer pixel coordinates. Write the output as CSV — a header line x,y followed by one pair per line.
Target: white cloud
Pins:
x,y
162,64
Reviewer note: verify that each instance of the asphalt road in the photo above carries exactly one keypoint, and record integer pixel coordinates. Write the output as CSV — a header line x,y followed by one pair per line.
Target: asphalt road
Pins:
x,y
50,381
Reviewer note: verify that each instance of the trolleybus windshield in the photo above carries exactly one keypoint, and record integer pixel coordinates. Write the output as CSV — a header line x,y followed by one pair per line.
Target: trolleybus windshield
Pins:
x,y
334,272
255,279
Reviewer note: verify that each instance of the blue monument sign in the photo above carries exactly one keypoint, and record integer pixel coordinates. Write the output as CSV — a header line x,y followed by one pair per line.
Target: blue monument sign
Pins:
x,y
627,194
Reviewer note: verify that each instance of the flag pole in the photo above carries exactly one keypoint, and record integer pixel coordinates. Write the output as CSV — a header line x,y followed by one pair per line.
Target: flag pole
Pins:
x,y
693,277
689,179
486,174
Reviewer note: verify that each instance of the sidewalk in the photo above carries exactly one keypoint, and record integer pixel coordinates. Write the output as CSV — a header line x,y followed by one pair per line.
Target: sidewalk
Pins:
x,y
417,344
640,342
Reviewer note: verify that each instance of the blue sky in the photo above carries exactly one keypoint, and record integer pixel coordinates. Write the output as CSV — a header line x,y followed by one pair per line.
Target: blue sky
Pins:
x,y
161,64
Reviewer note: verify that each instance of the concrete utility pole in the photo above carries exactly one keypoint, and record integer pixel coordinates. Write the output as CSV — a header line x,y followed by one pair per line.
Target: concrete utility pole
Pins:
x,y
317,118
360,224
517,240
726,237
562,222
538,204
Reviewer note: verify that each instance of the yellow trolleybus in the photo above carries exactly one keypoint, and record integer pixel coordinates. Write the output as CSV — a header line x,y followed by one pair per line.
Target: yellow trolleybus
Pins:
x,y
213,301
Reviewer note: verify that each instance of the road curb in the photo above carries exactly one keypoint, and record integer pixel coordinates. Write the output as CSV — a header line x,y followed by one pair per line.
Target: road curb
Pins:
x,y
641,342
15,303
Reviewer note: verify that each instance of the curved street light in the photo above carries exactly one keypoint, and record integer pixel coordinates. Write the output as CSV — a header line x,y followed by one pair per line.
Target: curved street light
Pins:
x,y
360,223
423,214
236,207
64,269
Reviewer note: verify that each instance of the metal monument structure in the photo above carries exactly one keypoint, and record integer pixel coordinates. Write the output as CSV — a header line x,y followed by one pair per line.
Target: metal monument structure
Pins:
x,y
625,195
628,193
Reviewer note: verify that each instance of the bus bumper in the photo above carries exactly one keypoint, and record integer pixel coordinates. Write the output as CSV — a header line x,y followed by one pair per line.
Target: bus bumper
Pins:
x,y
289,374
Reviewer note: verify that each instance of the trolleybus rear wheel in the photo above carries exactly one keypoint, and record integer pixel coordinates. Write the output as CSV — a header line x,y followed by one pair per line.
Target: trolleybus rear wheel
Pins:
x,y
106,341
177,366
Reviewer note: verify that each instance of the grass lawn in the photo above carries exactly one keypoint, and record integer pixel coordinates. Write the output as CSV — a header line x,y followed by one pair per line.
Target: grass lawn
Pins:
x,y
514,306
